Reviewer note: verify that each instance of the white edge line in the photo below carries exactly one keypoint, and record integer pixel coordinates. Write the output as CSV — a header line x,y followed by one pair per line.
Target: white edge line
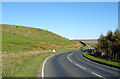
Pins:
x,y
44,65
99,64
42,75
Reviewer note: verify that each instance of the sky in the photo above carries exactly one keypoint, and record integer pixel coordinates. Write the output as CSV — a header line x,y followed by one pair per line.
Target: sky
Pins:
x,y
73,20
59,0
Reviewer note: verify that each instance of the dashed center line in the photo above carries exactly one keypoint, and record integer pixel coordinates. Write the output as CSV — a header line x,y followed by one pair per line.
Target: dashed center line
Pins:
x,y
69,59
81,66
75,63
98,75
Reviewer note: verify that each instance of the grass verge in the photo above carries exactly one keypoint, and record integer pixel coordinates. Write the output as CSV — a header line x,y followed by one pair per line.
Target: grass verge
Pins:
x,y
102,61
25,64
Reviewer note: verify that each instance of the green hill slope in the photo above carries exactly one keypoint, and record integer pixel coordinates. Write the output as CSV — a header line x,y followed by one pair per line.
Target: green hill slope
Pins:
x,y
21,38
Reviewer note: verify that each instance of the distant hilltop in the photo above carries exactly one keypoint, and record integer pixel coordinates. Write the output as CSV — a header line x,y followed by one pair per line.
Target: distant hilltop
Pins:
x,y
84,40
87,41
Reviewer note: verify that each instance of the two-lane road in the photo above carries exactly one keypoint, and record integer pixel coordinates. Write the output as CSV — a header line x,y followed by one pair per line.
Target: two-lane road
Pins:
x,y
73,64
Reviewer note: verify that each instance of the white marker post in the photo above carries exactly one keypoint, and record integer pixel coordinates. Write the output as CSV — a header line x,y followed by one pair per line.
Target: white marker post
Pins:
x,y
53,50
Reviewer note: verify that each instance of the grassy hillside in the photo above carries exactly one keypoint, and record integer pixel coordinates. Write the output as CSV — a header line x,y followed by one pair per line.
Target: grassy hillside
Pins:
x,y
21,38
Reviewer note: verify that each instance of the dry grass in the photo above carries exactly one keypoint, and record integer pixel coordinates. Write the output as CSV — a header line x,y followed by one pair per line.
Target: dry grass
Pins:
x,y
14,62
25,64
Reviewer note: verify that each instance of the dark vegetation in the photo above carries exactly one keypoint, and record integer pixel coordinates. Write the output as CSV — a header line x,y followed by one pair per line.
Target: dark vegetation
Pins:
x,y
83,44
108,46
87,41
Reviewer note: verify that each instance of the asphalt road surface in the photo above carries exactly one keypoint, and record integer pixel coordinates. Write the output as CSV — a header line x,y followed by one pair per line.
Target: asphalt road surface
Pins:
x,y
73,64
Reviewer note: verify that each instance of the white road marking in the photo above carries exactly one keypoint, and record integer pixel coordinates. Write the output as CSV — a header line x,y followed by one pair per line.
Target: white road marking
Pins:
x,y
42,75
80,66
75,63
44,65
97,75
71,54
69,59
